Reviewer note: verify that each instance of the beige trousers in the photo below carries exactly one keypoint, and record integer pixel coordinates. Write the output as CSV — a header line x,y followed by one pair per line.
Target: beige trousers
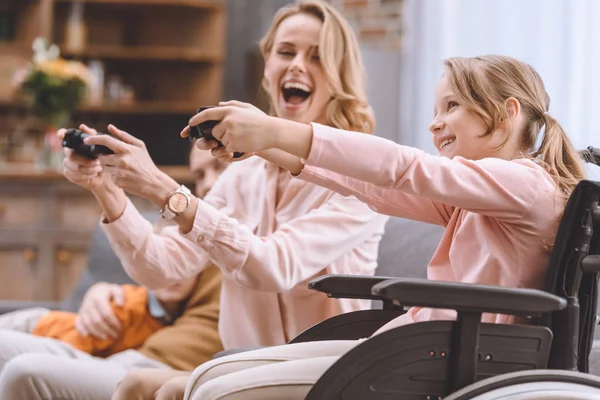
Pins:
x,y
36,368
285,372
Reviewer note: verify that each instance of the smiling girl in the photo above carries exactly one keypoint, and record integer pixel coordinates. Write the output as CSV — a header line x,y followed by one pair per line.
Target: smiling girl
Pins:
x,y
499,186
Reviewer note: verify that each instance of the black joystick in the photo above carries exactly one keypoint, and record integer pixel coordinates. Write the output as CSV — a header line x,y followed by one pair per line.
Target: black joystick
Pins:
x,y
204,130
74,140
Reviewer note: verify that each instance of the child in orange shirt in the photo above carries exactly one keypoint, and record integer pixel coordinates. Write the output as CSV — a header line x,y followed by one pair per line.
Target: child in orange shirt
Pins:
x,y
141,314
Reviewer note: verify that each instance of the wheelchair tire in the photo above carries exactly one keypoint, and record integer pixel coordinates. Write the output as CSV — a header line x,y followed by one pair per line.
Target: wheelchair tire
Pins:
x,y
533,385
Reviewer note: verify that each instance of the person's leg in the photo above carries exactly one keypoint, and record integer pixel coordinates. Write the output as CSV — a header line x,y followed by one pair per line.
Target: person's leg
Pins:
x,y
297,366
62,366
22,320
130,359
288,380
13,344
52,377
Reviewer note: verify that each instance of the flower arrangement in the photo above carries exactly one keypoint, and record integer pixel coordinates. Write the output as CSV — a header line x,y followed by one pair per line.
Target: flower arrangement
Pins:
x,y
55,86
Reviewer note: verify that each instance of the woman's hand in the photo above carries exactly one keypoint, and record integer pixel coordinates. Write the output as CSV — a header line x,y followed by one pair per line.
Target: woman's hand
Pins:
x,y
81,170
242,128
95,316
147,383
131,166
173,389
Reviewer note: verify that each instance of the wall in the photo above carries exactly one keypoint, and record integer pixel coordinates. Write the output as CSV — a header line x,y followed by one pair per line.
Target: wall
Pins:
x,y
248,21
377,24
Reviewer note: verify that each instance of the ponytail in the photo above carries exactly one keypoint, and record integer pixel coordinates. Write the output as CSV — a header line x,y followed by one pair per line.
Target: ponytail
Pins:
x,y
559,157
483,84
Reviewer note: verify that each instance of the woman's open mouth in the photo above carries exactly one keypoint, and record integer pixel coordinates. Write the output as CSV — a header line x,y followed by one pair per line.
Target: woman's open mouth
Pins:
x,y
294,93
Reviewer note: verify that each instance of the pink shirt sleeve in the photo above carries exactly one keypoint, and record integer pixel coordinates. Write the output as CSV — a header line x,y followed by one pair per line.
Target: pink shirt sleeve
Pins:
x,y
383,200
297,251
491,186
153,259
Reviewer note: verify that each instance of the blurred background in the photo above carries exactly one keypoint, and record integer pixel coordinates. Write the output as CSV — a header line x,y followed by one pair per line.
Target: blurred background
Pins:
x,y
150,64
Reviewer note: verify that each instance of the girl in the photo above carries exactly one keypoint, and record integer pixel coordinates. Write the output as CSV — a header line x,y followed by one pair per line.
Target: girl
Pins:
x,y
499,195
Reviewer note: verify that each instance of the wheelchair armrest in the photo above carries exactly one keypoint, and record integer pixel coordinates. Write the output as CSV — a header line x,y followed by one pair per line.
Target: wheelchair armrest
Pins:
x,y
468,297
347,286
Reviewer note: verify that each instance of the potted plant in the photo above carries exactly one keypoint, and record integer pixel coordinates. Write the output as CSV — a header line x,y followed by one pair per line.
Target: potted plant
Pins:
x,y
54,87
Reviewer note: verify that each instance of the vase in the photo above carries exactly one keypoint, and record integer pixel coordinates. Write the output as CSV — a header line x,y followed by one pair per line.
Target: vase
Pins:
x,y
52,153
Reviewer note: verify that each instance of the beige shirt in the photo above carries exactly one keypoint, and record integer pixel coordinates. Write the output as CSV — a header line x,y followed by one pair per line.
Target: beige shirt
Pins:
x,y
270,235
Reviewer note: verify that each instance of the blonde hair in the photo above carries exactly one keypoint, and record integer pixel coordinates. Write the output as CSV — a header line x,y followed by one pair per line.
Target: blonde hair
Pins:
x,y
484,83
341,60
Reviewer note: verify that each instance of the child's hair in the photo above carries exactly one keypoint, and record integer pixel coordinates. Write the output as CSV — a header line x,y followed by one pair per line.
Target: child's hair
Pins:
x,y
484,83
341,60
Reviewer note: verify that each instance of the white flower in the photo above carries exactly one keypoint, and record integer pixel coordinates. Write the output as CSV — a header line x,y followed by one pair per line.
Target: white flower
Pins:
x,y
41,51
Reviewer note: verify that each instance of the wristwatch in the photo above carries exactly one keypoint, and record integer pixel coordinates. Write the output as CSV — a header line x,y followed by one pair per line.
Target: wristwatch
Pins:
x,y
177,202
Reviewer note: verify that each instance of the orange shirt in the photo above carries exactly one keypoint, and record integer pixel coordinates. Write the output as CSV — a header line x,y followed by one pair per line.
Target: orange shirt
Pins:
x,y
135,319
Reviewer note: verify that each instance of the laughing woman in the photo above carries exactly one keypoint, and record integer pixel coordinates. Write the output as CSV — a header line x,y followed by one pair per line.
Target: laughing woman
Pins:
x,y
269,234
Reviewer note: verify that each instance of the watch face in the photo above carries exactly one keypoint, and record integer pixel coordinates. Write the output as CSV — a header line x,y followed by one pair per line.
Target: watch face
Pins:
x,y
178,203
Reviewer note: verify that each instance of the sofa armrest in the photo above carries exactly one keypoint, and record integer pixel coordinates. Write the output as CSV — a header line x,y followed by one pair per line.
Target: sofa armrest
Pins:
x,y
468,297
348,286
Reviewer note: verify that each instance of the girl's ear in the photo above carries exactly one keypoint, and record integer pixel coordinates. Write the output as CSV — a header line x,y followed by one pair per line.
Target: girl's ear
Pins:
x,y
513,108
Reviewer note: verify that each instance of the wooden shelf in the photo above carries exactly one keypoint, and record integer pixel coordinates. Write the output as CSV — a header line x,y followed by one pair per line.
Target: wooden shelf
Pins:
x,y
154,107
138,108
170,53
206,4
20,172
143,53
15,4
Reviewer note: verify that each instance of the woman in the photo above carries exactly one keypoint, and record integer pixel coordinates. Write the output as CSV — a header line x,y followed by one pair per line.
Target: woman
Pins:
x,y
499,195
267,233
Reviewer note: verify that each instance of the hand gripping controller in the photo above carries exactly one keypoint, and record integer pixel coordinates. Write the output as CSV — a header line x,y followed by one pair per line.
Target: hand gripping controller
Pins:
x,y
204,130
74,140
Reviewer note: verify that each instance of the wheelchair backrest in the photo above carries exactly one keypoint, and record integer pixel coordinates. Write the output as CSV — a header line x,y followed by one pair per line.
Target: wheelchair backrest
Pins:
x,y
573,275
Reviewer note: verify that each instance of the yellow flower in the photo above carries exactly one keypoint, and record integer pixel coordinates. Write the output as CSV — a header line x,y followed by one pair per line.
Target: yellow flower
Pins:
x,y
64,69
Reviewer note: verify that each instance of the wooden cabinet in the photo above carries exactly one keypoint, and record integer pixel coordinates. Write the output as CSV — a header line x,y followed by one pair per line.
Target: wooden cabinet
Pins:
x,y
46,225
18,272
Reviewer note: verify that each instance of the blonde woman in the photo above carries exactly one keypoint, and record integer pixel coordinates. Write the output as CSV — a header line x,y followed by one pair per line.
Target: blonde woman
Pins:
x,y
499,185
268,233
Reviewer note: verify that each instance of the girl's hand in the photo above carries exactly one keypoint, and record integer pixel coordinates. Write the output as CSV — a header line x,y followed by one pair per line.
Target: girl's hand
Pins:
x,y
242,127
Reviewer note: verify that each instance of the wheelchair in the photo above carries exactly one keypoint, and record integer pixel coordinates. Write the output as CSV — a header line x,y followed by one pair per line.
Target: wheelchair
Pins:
x,y
466,359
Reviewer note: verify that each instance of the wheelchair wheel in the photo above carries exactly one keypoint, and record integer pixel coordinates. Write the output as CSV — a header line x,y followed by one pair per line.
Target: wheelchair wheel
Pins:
x,y
533,385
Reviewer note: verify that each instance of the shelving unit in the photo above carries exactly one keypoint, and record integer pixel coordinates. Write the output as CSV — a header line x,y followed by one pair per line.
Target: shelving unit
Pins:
x,y
207,4
170,52
145,53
